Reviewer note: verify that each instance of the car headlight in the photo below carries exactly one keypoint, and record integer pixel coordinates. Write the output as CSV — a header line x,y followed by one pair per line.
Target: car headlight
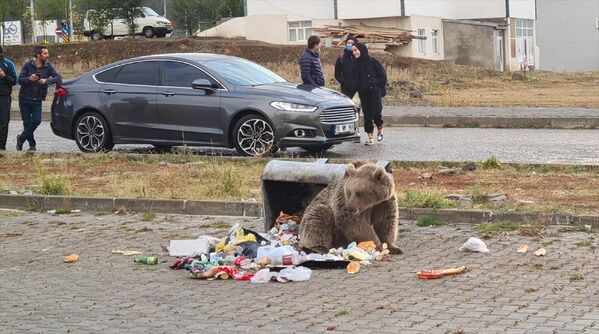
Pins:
x,y
287,106
161,23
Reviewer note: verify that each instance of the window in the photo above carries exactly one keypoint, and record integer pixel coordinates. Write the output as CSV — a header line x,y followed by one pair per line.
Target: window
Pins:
x,y
108,75
242,72
299,30
177,74
435,41
422,42
142,73
524,41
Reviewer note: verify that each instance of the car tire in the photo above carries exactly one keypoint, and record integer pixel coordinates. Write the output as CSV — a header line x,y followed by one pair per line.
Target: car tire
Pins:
x,y
318,148
92,133
96,36
161,35
148,32
253,135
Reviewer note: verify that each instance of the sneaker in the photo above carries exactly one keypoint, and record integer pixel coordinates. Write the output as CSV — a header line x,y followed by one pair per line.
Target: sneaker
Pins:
x,y
19,143
369,142
32,148
379,134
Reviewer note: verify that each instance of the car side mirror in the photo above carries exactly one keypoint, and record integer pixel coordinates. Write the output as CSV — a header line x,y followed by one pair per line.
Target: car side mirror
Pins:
x,y
203,84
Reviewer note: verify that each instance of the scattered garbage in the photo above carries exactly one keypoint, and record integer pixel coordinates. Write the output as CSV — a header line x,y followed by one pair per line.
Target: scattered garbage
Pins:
x,y
522,249
126,252
353,267
71,258
438,273
474,245
151,260
190,247
541,252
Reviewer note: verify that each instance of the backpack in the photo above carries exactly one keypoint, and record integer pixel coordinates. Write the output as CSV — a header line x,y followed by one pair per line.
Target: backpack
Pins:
x,y
10,66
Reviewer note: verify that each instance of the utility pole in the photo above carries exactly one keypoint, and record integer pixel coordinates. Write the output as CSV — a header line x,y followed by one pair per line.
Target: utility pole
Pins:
x,y
32,22
164,14
70,21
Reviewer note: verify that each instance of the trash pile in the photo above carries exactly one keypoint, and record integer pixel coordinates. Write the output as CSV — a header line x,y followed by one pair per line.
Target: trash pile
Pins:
x,y
377,37
276,256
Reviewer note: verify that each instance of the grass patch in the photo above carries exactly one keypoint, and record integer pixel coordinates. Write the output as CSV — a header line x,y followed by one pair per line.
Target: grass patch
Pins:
x,y
537,266
219,224
341,312
489,229
577,228
426,221
577,277
428,198
491,163
476,193
144,229
148,216
55,185
530,290
545,243
585,243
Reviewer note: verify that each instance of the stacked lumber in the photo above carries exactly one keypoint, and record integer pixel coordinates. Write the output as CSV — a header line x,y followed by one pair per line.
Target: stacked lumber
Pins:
x,y
376,37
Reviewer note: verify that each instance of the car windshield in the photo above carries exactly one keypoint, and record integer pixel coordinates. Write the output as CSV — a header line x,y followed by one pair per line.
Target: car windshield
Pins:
x,y
149,12
241,72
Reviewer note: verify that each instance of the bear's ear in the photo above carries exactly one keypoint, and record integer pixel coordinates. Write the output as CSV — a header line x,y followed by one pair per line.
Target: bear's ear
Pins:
x,y
379,174
350,170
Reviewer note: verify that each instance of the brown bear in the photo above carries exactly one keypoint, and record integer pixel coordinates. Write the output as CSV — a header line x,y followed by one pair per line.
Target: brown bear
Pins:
x,y
360,206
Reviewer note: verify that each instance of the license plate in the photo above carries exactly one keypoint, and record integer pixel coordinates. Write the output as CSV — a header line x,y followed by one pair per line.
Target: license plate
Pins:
x,y
344,129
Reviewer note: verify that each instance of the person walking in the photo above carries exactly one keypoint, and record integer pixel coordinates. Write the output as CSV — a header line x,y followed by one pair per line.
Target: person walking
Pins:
x,y
36,75
8,78
372,82
310,66
345,68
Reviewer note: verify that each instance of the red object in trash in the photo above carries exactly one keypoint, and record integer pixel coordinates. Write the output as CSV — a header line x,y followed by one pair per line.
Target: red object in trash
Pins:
x,y
433,274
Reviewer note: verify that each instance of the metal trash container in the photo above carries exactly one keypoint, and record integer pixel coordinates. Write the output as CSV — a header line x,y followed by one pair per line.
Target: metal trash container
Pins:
x,y
290,186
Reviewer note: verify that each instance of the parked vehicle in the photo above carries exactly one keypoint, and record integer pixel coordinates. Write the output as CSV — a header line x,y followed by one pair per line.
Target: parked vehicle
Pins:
x,y
147,23
199,99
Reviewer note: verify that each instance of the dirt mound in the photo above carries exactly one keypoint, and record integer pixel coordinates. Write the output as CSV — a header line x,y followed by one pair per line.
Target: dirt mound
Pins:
x,y
88,55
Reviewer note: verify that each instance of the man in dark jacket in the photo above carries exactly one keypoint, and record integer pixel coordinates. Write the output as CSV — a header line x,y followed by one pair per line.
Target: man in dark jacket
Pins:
x,y
36,75
8,78
310,63
345,69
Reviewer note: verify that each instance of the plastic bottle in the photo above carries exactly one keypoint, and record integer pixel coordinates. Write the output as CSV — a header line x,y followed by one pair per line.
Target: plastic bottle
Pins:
x,y
146,260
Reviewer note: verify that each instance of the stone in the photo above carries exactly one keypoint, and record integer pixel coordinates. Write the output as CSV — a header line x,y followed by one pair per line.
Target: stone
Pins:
x,y
469,166
416,94
454,197
525,202
447,171
518,76
496,197
426,176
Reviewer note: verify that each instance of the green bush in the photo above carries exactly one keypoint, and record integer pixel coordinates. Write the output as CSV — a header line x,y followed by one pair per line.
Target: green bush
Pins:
x,y
425,199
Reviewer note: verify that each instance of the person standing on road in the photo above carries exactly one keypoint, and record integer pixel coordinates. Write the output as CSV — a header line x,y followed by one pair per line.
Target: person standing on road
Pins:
x,y
36,75
372,82
8,78
345,68
310,66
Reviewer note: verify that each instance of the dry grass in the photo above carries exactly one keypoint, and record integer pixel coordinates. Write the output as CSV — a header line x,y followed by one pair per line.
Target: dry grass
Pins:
x,y
553,189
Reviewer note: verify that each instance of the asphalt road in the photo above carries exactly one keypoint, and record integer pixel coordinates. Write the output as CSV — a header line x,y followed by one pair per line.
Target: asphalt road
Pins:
x,y
412,144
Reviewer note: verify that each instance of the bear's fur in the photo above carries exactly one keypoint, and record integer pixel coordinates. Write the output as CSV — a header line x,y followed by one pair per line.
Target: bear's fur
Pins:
x,y
360,206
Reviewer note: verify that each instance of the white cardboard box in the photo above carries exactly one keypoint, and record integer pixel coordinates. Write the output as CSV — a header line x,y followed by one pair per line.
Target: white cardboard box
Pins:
x,y
189,247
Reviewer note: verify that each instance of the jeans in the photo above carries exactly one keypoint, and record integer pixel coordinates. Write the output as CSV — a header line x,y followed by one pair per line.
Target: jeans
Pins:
x,y
31,113
4,119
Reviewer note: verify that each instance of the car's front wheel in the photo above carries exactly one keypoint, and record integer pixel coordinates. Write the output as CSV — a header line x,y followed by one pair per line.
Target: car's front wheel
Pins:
x,y
148,32
96,36
92,133
254,136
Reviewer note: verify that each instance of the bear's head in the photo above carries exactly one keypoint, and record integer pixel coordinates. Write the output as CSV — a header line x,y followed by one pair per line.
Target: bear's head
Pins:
x,y
366,186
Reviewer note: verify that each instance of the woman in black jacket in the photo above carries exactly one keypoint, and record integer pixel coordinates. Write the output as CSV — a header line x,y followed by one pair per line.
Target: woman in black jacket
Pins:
x,y
372,81
345,68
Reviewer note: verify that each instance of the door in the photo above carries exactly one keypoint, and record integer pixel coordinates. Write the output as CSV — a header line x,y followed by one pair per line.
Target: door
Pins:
x,y
499,50
188,115
128,95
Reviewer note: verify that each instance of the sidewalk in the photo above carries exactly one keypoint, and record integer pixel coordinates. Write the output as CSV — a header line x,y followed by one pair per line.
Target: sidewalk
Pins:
x,y
464,117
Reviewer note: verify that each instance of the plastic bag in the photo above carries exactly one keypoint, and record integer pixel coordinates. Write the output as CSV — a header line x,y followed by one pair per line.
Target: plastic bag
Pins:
x,y
262,276
474,245
295,274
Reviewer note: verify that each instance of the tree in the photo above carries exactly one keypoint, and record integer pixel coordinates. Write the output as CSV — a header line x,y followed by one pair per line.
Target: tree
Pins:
x,y
189,13
130,11
186,13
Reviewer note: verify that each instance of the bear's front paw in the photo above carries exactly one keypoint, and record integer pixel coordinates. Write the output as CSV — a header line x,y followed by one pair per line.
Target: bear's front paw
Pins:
x,y
394,249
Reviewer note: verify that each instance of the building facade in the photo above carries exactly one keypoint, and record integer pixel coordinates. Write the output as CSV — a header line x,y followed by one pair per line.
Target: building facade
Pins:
x,y
510,23
568,35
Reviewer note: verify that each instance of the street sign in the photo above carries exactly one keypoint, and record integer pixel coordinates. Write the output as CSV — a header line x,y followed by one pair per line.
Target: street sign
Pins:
x,y
58,31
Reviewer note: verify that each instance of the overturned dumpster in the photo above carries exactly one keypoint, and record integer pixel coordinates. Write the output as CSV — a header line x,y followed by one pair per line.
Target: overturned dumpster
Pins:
x,y
289,186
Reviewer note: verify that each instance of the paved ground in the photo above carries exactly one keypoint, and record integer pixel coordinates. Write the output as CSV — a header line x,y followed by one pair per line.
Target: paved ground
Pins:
x,y
540,146
504,292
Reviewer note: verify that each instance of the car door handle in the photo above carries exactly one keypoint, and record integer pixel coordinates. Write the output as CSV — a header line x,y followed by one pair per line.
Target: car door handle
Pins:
x,y
109,91
167,93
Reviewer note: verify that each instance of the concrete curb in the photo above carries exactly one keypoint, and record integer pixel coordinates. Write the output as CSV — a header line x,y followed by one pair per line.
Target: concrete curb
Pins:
x,y
255,209
461,121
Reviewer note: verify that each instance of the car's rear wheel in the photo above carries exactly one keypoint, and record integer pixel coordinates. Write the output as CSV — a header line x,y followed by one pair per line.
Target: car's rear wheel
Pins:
x,y
92,133
148,32
254,136
318,148
96,36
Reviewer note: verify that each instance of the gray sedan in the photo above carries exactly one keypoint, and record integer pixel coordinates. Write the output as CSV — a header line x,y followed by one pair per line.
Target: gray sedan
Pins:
x,y
198,99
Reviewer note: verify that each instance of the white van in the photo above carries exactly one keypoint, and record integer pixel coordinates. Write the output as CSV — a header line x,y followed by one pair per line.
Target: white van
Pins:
x,y
148,23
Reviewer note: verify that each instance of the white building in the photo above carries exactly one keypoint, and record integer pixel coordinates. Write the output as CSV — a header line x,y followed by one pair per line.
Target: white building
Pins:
x,y
509,22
